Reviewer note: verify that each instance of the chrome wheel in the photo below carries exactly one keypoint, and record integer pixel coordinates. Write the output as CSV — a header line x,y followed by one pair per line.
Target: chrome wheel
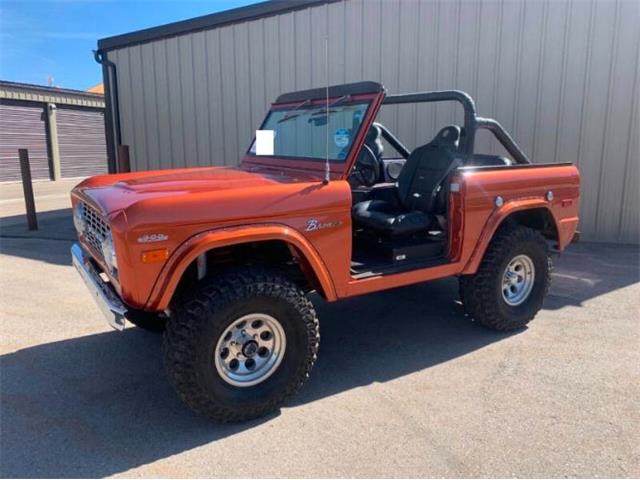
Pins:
x,y
250,350
517,280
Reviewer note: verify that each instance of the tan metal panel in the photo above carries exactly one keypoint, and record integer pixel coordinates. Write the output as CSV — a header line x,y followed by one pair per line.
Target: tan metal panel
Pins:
x,y
302,54
242,85
529,69
337,32
389,75
407,66
550,82
287,50
151,106
354,45
163,105
319,42
139,111
187,100
201,97
125,93
615,125
597,96
229,108
630,213
217,124
257,48
558,75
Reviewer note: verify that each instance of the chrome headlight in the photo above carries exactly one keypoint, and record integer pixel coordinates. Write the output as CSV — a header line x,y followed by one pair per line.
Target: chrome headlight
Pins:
x,y
109,253
78,219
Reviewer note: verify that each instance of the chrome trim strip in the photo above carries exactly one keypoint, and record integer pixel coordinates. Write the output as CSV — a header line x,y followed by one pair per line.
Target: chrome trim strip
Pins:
x,y
103,294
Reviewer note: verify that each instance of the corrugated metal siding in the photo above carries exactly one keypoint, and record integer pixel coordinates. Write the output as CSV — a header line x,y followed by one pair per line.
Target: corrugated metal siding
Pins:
x,y
562,77
22,127
81,142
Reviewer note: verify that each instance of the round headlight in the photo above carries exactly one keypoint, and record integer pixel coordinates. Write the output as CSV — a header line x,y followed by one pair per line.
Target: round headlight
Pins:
x,y
109,253
78,219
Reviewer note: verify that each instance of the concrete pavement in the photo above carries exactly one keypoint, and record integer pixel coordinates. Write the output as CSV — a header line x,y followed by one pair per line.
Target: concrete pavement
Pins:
x,y
405,385
49,196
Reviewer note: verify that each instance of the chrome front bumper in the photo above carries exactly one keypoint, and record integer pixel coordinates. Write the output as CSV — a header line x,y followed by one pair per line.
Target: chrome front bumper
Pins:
x,y
104,295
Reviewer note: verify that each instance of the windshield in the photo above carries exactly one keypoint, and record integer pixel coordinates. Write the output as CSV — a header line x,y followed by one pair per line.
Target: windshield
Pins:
x,y
305,132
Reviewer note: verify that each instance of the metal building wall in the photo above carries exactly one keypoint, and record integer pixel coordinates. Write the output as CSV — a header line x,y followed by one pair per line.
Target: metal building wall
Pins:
x,y
562,77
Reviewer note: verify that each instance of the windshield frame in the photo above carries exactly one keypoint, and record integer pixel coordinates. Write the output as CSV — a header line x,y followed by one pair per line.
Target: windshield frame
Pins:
x,y
311,107
338,168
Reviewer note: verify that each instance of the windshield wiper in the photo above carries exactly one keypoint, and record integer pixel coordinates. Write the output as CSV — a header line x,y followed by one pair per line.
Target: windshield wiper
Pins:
x,y
327,110
291,114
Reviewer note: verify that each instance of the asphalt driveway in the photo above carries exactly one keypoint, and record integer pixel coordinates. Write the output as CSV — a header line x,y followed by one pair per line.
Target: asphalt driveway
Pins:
x,y
405,385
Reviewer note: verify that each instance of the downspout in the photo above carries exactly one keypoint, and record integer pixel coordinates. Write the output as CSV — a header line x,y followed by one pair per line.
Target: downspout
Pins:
x,y
114,138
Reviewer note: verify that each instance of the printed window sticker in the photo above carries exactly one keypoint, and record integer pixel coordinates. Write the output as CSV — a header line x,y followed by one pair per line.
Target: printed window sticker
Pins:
x,y
265,140
341,138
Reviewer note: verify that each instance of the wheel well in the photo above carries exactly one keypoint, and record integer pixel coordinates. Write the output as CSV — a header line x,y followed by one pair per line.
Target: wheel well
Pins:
x,y
276,254
537,218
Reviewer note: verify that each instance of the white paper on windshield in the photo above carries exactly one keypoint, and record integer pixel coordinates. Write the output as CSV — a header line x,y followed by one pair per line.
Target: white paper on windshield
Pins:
x,y
264,142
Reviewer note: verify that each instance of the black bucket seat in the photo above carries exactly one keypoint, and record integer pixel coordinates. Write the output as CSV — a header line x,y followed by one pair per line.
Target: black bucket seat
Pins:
x,y
408,208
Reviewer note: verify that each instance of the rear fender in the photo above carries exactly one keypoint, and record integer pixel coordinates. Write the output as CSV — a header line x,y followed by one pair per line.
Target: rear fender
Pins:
x,y
496,220
175,267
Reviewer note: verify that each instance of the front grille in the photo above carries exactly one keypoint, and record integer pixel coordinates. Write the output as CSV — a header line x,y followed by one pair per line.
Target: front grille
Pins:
x,y
96,229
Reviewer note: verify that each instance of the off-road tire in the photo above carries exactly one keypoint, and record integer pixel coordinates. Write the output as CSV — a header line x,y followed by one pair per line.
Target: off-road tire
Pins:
x,y
481,294
149,321
199,319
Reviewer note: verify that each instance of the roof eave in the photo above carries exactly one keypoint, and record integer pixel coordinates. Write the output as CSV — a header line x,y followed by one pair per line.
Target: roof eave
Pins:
x,y
226,17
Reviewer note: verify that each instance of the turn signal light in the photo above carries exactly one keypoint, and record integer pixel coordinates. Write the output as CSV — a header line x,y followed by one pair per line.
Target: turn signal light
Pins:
x,y
154,256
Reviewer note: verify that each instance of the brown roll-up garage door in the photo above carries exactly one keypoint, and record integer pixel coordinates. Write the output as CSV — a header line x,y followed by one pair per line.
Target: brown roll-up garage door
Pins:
x,y
81,141
22,127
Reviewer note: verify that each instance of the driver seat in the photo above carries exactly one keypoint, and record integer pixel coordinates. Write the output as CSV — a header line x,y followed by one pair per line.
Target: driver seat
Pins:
x,y
407,207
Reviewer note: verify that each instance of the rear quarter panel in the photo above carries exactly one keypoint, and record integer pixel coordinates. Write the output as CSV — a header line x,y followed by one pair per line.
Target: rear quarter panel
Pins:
x,y
521,187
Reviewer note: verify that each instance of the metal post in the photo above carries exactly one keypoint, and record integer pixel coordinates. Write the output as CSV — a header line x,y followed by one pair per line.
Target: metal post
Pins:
x,y
123,159
27,188
52,124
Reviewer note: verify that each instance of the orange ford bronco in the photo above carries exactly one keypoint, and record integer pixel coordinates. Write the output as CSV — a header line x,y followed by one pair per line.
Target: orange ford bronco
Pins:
x,y
326,199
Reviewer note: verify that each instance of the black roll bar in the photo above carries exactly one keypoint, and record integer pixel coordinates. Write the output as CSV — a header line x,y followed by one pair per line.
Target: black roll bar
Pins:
x,y
471,121
504,138
393,140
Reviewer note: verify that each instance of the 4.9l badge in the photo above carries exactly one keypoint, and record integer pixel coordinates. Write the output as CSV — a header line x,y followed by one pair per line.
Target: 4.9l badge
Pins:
x,y
313,225
151,238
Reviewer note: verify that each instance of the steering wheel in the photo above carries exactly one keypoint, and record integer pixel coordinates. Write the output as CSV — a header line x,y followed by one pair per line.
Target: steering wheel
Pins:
x,y
367,167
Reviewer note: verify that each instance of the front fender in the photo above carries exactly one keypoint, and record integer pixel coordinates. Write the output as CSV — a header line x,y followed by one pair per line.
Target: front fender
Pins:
x,y
493,223
186,253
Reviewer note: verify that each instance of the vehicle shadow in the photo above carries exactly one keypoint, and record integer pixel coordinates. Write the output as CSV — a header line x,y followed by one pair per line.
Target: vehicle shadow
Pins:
x,y
99,405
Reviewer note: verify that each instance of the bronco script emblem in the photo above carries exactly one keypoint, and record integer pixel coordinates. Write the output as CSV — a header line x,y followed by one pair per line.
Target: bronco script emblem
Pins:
x,y
313,225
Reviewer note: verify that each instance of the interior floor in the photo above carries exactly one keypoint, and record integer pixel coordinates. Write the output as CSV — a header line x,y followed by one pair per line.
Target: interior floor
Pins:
x,y
375,255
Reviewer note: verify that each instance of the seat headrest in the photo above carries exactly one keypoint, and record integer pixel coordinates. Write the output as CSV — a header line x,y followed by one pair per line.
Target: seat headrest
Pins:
x,y
374,140
448,137
373,134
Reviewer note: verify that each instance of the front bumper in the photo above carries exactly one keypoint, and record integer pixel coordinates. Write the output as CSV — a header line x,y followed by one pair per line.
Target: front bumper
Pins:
x,y
102,292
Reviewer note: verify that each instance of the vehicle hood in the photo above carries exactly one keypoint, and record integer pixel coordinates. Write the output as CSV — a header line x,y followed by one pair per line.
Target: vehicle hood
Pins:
x,y
203,194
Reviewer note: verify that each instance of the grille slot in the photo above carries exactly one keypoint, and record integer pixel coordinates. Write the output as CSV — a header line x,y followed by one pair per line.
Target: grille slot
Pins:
x,y
96,231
